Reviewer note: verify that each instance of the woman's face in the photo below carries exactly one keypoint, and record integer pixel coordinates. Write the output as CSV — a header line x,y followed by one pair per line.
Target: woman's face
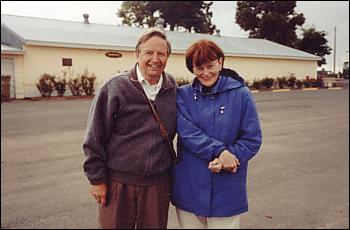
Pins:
x,y
208,73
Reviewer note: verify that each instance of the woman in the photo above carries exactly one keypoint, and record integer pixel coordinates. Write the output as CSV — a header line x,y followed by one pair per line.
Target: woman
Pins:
x,y
219,132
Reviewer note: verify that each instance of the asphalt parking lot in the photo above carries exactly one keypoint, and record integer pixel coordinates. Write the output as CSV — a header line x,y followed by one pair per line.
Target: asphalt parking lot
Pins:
x,y
299,178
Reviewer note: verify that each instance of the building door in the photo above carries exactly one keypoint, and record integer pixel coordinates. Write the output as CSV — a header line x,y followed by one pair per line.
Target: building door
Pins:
x,y
8,68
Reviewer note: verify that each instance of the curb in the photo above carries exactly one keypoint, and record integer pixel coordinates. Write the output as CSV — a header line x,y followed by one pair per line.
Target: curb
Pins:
x,y
51,98
336,88
290,90
280,90
309,89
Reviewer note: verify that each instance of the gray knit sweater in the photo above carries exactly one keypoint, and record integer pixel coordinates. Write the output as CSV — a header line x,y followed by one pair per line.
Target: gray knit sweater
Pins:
x,y
123,141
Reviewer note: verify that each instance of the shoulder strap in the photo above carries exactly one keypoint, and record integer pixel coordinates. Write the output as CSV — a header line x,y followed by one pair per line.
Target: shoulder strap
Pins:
x,y
162,128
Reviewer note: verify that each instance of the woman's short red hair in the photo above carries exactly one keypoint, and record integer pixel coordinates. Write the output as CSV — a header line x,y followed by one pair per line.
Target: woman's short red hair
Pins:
x,y
201,52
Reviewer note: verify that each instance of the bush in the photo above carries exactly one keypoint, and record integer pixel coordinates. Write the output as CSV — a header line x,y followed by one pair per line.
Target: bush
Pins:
x,y
267,82
88,82
318,83
291,81
307,83
312,82
257,84
282,82
75,86
46,84
182,81
60,86
299,84
83,83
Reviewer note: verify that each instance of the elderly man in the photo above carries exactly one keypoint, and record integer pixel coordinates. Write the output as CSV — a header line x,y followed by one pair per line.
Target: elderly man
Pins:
x,y
127,159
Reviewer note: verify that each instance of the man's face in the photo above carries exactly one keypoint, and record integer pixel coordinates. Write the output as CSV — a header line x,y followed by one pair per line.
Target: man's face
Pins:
x,y
152,58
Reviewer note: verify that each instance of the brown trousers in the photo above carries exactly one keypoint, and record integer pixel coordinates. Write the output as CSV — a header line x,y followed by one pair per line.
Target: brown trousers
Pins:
x,y
131,206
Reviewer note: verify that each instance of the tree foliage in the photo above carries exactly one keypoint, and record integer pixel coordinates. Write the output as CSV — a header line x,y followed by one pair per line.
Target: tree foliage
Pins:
x,y
136,13
272,20
314,42
277,21
189,15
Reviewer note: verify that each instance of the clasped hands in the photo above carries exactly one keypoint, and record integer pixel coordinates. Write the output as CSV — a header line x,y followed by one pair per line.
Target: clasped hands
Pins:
x,y
226,161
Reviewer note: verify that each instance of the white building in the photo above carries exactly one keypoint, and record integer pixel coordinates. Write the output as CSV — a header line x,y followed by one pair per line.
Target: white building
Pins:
x,y
32,46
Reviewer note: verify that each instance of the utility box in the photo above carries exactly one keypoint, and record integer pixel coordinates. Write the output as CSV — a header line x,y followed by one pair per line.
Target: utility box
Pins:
x,y
5,87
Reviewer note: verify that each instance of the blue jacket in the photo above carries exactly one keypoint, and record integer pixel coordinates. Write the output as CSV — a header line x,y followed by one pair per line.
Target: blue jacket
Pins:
x,y
207,124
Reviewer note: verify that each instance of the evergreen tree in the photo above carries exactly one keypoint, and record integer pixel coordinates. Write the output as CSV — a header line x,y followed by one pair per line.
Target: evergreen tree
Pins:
x,y
314,42
272,20
189,15
277,21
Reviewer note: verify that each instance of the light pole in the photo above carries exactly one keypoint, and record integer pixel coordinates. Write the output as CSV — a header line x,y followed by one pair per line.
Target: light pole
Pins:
x,y
346,67
334,48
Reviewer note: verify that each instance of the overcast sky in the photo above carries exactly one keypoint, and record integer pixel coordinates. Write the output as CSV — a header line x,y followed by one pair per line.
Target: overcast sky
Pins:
x,y
324,15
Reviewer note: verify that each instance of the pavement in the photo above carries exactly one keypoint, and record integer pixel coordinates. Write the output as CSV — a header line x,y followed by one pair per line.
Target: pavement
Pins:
x,y
299,178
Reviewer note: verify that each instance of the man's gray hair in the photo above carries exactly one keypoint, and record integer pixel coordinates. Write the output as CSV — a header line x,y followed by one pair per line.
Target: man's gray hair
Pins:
x,y
153,32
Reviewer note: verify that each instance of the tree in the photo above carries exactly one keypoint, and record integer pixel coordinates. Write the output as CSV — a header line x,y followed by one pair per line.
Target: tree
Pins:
x,y
136,13
314,42
272,20
277,21
188,15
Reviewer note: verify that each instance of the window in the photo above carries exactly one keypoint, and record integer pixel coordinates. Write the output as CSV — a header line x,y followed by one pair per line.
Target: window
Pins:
x,y
66,61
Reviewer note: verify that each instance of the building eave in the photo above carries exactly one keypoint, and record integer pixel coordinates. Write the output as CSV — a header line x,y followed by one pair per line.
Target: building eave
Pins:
x,y
12,52
79,46
315,58
174,51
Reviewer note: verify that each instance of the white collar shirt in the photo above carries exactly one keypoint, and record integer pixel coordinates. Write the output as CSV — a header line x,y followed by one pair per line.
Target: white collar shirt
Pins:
x,y
150,90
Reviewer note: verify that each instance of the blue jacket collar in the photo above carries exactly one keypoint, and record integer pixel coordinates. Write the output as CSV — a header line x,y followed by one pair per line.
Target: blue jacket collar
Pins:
x,y
224,83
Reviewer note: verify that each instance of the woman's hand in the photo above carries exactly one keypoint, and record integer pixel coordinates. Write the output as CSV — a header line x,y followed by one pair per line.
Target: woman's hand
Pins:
x,y
215,165
229,161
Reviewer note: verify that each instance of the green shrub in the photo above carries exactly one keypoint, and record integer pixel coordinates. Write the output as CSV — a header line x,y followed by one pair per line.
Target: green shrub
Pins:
x,y
88,82
60,86
312,82
299,84
83,83
318,83
46,84
291,81
307,83
75,86
182,81
267,82
282,82
257,84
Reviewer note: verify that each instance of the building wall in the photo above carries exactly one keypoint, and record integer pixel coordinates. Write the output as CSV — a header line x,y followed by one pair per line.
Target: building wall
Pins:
x,y
39,60
258,68
251,68
17,74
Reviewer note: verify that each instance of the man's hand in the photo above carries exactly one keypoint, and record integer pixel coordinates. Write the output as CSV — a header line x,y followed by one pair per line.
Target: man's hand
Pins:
x,y
215,165
229,161
99,192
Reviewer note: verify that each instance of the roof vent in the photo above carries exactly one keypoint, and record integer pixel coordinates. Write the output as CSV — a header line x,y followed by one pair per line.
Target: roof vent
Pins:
x,y
86,18
159,23
217,33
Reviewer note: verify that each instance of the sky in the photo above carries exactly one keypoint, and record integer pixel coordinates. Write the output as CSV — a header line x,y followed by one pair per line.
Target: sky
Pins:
x,y
323,15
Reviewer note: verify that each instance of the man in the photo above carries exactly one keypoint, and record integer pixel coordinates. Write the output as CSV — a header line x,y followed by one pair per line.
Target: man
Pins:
x,y
128,162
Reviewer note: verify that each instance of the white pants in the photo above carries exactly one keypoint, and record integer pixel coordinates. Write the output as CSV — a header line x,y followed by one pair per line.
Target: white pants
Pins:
x,y
189,220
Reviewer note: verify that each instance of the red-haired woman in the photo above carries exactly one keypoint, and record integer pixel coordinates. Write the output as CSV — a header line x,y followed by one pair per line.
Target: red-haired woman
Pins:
x,y
219,132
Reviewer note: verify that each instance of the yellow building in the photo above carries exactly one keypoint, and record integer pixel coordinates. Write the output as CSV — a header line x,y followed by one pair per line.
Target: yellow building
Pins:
x,y
32,46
